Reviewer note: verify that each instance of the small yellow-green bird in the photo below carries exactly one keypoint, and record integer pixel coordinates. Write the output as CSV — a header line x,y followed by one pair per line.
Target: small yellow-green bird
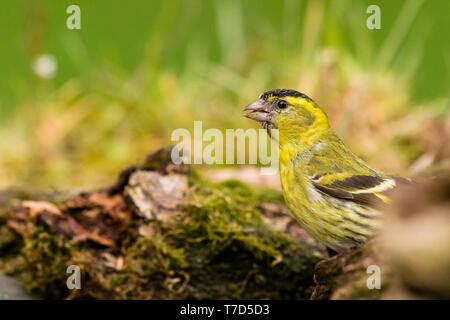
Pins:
x,y
332,193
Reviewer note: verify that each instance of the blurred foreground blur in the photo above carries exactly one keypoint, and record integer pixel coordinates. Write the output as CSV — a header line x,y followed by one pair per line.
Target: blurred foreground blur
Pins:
x,y
416,240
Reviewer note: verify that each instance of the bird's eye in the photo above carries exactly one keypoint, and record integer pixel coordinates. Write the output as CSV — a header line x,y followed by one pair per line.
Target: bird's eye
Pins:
x,y
282,104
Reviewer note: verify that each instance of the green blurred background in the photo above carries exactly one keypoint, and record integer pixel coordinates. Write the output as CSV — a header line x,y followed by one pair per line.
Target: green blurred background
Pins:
x,y
137,70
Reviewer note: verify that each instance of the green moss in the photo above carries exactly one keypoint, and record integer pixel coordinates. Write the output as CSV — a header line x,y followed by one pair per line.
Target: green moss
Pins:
x,y
46,257
10,242
216,247
251,195
241,256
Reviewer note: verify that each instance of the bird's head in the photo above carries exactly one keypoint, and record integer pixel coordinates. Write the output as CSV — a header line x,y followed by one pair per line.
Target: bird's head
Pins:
x,y
296,116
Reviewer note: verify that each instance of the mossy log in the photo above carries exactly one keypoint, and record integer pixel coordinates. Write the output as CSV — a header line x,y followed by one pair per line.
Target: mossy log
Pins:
x,y
164,232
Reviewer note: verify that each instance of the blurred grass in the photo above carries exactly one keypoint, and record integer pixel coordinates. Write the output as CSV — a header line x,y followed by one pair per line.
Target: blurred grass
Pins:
x,y
137,71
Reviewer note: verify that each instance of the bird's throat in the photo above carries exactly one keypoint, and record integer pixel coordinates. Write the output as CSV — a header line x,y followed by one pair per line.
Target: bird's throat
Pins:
x,y
295,143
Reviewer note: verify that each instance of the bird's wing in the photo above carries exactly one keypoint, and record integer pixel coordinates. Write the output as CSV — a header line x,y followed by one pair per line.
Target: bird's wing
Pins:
x,y
364,189
339,173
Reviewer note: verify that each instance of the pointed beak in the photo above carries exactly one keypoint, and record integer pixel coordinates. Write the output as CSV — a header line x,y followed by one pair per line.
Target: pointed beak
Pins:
x,y
259,111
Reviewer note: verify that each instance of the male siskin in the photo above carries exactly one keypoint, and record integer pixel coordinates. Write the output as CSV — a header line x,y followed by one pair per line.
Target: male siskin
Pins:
x,y
332,193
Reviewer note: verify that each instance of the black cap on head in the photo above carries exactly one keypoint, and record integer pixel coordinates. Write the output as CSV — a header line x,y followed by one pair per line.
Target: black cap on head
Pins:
x,y
283,93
